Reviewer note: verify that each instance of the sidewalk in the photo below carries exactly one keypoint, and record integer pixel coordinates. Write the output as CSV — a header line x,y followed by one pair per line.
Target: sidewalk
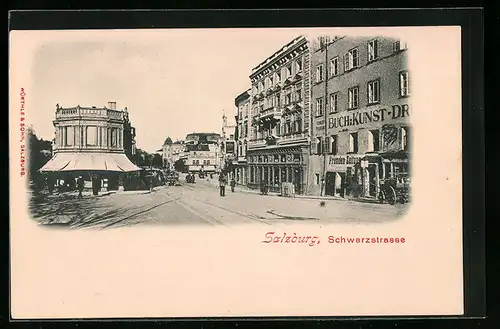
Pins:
x,y
245,189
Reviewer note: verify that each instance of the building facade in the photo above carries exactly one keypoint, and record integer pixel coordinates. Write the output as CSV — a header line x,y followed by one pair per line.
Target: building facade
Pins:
x,y
243,125
92,141
201,151
360,115
171,153
280,126
227,145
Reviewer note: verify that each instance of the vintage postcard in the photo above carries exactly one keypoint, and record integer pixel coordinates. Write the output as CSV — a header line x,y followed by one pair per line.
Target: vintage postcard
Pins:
x,y
257,172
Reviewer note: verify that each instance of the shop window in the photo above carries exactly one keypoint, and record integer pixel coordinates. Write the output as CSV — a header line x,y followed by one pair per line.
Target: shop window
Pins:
x,y
353,142
373,141
333,144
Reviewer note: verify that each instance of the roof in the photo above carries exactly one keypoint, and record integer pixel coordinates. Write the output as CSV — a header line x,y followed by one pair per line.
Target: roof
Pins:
x,y
89,161
197,147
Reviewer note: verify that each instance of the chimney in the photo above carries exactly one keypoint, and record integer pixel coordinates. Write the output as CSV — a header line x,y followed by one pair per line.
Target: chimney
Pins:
x,y
112,105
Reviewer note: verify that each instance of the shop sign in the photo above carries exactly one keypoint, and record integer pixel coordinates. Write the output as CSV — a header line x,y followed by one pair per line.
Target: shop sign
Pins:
x,y
356,118
344,159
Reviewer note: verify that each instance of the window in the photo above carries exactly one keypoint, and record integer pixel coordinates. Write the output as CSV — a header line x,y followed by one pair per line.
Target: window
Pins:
x,y
319,106
208,162
288,96
374,92
267,82
351,59
69,136
298,122
334,99
194,162
298,93
373,141
319,145
353,142
92,136
404,138
400,45
334,67
372,50
404,84
333,144
317,179
288,71
298,65
319,73
277,78
353,101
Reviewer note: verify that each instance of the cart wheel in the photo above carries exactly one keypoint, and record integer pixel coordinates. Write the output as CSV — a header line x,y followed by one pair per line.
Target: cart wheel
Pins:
x,y
392,196
381,197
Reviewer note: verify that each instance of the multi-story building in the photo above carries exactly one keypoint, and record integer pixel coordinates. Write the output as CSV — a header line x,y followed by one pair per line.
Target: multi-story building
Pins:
x,y
227,145
171,152
360,121
243,125
279,137
201,151
91,140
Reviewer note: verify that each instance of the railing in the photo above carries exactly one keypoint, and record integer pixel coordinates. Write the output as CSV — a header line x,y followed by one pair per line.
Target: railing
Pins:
x,y
89,112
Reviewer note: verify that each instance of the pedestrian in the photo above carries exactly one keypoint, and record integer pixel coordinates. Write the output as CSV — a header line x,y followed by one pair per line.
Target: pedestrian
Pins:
x,y
80,184
233,184
222,184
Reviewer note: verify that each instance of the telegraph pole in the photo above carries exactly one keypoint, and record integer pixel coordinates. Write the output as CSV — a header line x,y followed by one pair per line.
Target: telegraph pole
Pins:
x,y
325,116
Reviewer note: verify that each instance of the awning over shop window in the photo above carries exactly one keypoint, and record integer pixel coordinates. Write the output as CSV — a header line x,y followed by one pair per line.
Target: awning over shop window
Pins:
x,y
107,162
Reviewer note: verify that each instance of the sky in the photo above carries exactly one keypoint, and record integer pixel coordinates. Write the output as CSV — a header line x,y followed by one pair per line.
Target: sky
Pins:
x,y
173,82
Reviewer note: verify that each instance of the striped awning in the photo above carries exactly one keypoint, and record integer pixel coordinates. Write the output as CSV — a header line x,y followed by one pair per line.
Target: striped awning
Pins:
x,y
87,161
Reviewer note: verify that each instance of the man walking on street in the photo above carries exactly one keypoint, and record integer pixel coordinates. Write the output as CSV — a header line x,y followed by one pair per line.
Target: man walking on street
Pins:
x,y
80,184
233,184
222,184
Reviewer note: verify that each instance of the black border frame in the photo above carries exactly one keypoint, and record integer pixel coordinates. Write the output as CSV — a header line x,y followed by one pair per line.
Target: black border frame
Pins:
x,y
472,22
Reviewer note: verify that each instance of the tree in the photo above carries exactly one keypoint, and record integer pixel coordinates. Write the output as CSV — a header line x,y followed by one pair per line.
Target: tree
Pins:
x,y
168,141
39,152
157,161
179,165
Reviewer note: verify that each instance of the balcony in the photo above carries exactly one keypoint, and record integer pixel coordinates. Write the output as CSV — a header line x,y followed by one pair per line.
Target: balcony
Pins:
x,y
257,143
270,113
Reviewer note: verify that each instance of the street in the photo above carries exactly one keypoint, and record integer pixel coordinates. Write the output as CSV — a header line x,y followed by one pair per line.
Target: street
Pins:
x,y
200,204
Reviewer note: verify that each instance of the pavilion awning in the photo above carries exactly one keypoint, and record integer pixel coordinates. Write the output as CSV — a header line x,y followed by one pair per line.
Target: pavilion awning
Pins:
x,y
86,161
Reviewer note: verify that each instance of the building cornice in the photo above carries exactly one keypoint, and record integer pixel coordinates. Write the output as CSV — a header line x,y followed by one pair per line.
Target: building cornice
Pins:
x,y
291,49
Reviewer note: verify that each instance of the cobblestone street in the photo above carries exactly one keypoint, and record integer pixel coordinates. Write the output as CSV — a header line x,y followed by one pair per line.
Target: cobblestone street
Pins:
x,y
200,203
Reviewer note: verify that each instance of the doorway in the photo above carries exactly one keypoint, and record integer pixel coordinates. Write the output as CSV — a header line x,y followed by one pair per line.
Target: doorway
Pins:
x,y
372,180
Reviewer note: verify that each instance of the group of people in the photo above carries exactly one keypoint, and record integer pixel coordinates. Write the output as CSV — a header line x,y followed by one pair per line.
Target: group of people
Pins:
x,y
223,182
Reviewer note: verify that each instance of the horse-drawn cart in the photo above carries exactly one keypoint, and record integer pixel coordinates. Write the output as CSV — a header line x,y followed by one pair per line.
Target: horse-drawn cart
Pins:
x,y
395,189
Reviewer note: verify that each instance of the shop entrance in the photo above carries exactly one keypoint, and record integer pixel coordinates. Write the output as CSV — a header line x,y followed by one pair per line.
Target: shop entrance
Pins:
x,y
372,180
335,183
